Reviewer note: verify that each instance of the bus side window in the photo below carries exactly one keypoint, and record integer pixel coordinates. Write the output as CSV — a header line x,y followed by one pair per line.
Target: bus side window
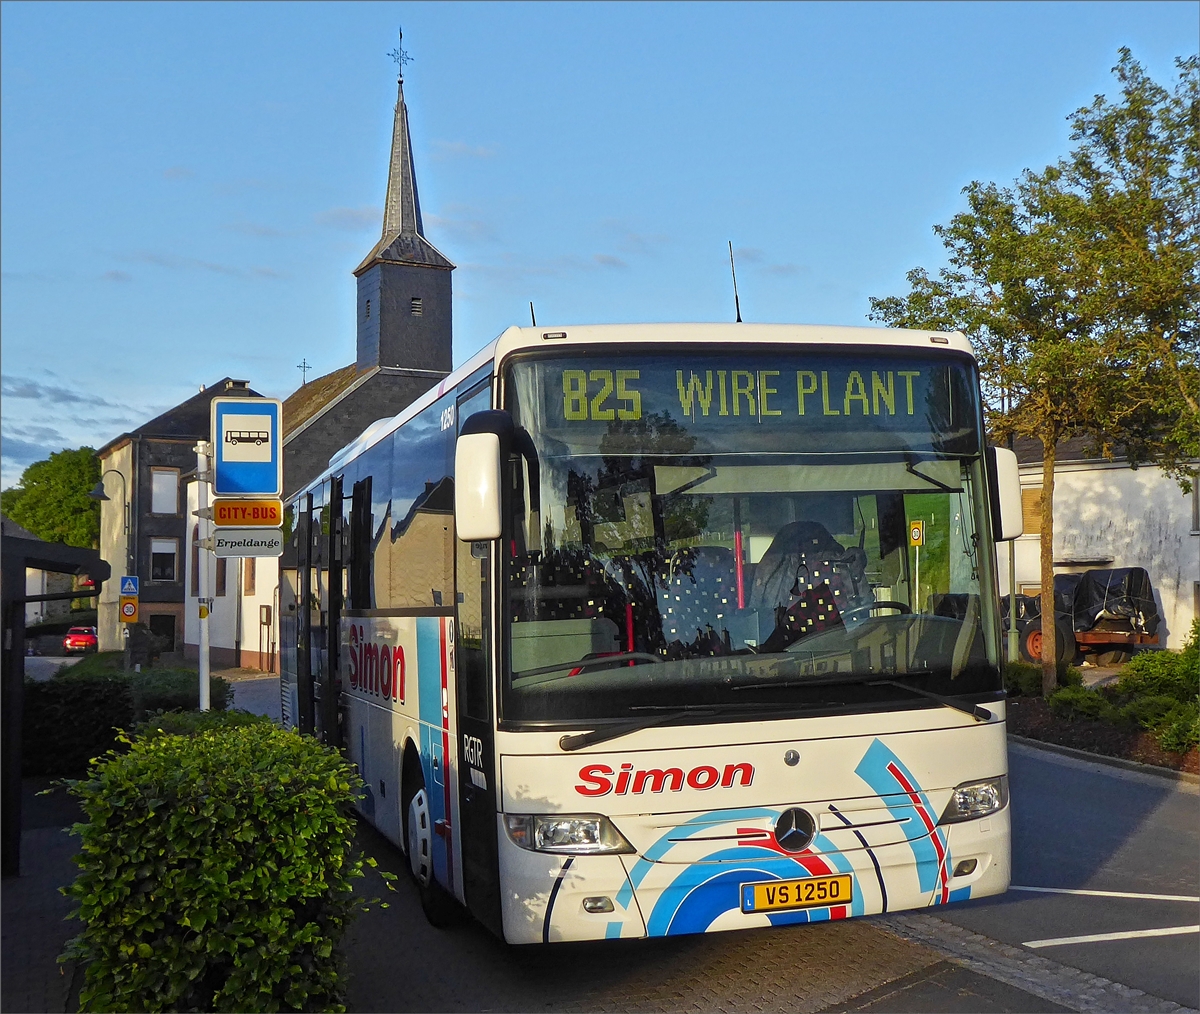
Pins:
x,y
360,545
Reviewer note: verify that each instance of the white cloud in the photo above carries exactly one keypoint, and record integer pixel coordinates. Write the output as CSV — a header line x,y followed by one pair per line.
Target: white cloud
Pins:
x,y
353,219
443,150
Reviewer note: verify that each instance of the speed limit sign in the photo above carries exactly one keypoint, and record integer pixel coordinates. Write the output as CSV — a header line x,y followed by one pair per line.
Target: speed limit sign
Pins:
x,y
129,609
916,533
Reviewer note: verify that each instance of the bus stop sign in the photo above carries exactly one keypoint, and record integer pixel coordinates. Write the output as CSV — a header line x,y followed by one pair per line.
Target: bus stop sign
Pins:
x,y
247,452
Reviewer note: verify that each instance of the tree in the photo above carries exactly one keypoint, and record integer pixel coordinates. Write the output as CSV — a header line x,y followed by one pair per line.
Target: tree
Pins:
x,y
51,498
1080,289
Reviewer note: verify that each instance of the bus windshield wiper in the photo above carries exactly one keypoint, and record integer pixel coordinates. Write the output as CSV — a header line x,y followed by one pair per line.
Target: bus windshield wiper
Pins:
x,y
979,713
976,711
666,713
589,662
607,732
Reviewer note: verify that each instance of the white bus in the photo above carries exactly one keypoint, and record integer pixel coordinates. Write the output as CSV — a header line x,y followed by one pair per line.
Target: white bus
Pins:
x,y
645,630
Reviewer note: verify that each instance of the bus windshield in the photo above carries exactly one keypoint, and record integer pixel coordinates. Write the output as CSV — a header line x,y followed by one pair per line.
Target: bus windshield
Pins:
x,y
777,530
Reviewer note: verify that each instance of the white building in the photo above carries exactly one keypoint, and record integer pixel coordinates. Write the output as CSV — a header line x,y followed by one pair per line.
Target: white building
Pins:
x,y
243,626
1108,515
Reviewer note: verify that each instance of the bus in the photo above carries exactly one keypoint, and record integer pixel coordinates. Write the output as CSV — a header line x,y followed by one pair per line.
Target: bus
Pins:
x,y
643,630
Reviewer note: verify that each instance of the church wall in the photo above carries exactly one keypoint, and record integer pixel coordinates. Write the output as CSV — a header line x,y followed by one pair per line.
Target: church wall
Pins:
x,y
368,318
415,342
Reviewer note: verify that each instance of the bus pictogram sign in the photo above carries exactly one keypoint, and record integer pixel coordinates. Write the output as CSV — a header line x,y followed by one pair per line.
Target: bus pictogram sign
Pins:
x,y
246,438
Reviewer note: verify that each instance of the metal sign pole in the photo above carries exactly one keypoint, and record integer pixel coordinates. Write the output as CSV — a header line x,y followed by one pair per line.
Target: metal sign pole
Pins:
x,y
202,560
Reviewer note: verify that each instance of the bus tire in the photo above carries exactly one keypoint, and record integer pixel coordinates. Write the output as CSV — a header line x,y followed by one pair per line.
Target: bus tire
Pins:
x,y
441,909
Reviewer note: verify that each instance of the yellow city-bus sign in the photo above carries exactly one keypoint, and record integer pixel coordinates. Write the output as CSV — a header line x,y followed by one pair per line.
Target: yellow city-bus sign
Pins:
x,y
247,513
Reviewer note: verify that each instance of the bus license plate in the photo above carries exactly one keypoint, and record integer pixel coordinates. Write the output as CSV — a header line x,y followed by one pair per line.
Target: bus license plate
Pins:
x,y
809,892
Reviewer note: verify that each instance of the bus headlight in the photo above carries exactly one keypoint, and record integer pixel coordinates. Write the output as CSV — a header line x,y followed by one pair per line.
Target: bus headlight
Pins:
x,y
976,799
567,834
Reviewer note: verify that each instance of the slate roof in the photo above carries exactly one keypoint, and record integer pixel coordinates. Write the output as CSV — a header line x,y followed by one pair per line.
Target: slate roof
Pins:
x,y
189,419
403,239
1029,451
308,400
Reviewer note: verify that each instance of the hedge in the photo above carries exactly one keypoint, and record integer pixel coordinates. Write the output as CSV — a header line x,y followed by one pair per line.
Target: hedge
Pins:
x,y
73,717
216,872
1024,679
1158,691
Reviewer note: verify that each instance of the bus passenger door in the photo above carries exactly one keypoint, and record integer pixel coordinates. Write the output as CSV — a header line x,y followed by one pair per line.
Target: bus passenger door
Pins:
x,y
478,797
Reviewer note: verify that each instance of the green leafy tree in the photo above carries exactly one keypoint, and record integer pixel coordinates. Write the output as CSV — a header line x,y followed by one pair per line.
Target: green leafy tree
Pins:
x,y
51,498
1080,288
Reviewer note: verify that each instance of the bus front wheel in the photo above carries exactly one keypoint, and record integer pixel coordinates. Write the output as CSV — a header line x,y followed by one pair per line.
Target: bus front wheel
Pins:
x,y
440,908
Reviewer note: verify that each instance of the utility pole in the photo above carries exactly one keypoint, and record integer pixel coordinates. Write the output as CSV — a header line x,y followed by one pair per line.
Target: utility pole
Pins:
x,y
205,542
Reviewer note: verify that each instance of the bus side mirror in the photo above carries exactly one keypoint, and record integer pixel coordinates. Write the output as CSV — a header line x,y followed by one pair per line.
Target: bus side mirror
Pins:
x,y
1005,479
482,442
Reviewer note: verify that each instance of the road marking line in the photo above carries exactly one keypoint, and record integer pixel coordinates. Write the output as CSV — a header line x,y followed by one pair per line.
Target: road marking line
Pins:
x,y
1107,894
1092,938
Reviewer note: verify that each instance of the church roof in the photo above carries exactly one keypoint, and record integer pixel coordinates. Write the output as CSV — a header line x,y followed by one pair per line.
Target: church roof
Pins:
x,y
403,240
310,399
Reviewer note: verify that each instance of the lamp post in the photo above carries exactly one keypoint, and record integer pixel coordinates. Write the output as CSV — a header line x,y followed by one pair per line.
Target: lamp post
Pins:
x,y
98,493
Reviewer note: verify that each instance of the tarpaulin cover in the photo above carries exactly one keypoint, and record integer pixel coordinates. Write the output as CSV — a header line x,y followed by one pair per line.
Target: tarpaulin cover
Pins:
x,y
1095,595
1120,594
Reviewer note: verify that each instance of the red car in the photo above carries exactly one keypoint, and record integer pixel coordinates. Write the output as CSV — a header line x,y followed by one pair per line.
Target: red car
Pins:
x,y
81,639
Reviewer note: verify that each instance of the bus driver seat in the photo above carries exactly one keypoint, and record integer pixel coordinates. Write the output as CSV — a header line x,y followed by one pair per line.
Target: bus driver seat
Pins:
x,y
802,558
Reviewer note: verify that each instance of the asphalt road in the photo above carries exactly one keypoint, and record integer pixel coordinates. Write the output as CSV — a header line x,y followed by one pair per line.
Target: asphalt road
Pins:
x,y
1079,826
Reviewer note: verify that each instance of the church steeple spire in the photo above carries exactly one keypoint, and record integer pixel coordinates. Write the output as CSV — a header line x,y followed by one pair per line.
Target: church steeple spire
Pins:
x,y
405,298
403,240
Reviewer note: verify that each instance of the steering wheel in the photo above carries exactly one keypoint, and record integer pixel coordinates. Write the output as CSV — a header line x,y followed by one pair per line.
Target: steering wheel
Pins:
x,y
884,604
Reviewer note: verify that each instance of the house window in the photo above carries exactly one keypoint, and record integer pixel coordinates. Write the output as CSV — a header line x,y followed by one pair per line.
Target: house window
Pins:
x,y
1031,509
195,582
164,491
248,576
162,559
222,568
368,310
417,309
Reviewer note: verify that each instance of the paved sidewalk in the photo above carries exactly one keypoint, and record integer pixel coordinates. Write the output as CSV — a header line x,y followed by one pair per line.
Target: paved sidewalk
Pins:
x,y
34,924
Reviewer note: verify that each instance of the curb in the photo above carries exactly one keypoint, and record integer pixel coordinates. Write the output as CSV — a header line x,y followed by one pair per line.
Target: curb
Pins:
x,y
1116,762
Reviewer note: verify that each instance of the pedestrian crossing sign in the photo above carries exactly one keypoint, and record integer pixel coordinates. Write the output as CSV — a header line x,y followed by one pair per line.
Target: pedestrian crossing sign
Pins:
x,y
129,585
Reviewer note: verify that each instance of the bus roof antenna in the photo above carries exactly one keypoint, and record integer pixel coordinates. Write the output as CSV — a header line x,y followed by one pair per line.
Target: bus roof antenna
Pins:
x,y
532,315
737,306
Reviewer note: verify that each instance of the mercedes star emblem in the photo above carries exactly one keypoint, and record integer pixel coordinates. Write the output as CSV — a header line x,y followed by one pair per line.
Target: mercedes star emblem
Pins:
x,y
795,829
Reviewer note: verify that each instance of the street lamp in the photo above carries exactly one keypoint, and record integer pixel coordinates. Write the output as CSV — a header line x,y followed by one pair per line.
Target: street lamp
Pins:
x,y
98,493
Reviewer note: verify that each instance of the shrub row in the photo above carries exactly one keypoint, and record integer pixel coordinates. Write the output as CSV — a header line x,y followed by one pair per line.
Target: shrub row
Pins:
x,y
1024,679
72,718
216,869
1158,691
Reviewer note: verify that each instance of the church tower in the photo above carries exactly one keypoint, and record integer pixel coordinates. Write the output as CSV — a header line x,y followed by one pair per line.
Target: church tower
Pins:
x,y
404,291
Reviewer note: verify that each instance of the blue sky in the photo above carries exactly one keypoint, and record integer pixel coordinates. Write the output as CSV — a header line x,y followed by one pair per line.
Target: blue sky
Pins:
x,y
187,187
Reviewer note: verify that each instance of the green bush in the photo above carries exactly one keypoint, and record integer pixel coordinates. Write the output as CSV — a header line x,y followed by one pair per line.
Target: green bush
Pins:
x,y
174,690
1175,674
216,873
1149,711
1180,728
1024,679
1082,702
190,723
72,718
67,722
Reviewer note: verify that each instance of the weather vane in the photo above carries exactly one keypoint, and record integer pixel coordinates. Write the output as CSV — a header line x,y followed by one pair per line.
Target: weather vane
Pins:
x,y
400,55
